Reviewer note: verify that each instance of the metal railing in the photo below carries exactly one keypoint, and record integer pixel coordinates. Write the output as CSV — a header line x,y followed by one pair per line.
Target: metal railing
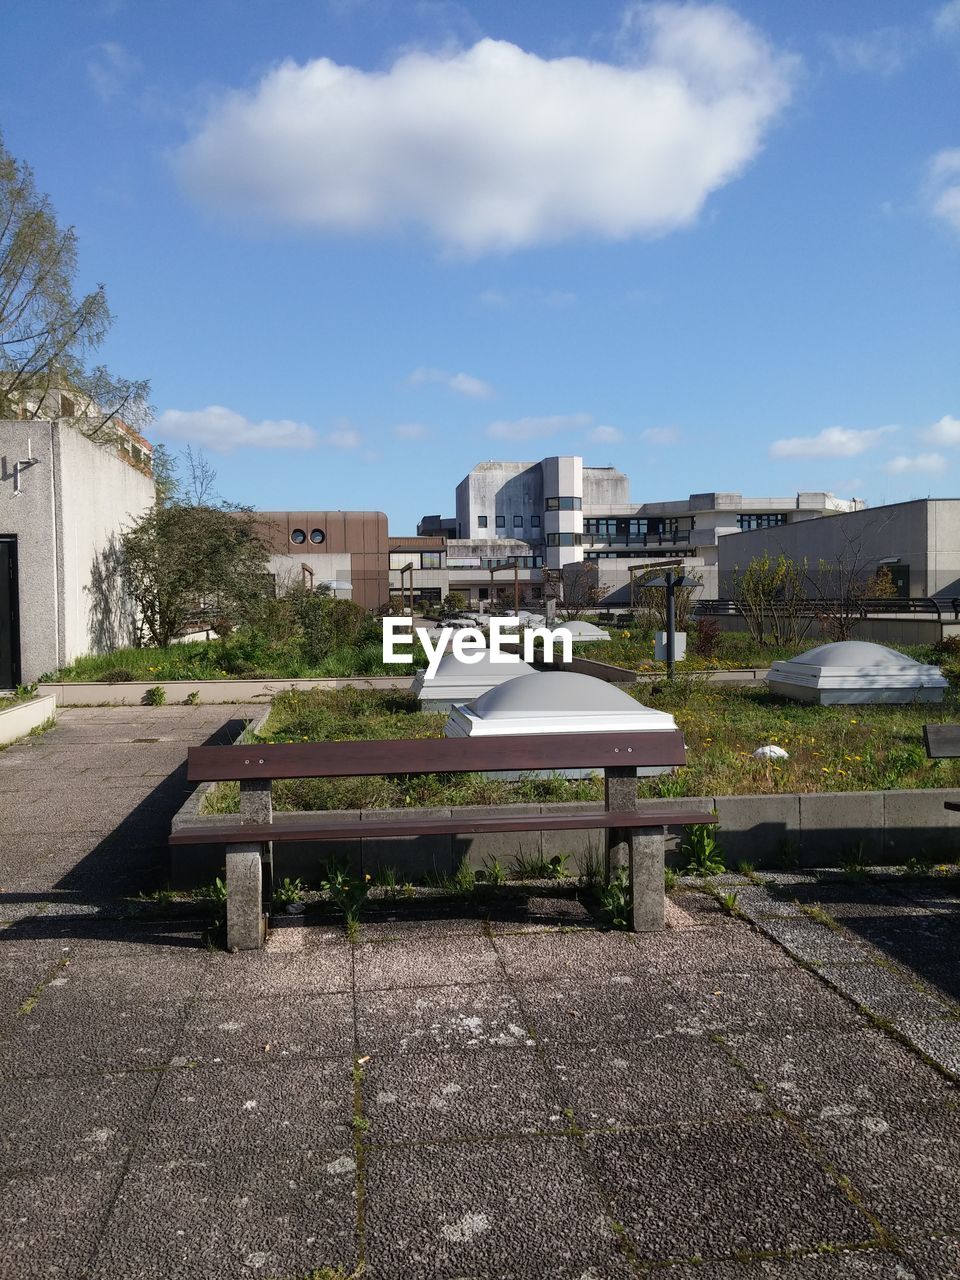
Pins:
x,y
924,606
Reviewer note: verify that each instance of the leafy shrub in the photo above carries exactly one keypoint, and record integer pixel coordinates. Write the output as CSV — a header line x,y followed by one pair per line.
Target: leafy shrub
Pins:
x,y
117,675
705,638
155,696
704,855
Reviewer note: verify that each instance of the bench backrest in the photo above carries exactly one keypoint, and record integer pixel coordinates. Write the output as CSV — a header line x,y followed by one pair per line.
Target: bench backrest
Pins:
x,y
437,755
942,741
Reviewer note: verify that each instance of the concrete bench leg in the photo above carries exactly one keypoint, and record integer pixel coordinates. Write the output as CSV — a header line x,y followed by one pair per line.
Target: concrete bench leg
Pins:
x,y
646,878
245,924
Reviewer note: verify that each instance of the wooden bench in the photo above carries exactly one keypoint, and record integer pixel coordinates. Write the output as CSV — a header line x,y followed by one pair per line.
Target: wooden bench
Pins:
x,y
249,837
942,742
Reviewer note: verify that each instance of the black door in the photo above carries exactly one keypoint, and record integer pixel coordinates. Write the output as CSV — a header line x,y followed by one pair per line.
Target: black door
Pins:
x,y
9,621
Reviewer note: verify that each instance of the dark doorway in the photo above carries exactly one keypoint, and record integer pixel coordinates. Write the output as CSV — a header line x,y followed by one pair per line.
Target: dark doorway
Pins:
x,y
900,574
9,615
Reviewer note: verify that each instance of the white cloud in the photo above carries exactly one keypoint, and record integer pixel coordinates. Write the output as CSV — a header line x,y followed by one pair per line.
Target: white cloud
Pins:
x,y
944,432
943,187
410,431
881,52
465,384
946,20
528,295
343,436
833,442
918,462
494,148
605,435
535,428
221,429
660,435
110,68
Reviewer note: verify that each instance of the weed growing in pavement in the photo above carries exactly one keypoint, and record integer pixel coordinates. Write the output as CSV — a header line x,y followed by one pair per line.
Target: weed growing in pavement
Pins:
x,y
614,899
529,866
591,866
192,699
704,854
557,867
465,880
669,879
854,861
347,894
288,892
155,696
494,871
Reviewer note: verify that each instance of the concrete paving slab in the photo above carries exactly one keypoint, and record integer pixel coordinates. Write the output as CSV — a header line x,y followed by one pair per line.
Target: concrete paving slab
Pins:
x,y
407,963
813,942
905,1165
815,1073
886,992
657,1080
318,971
938,1258
251,1029
289,1106
440,1020
423,927
75,1121
711,950
459,1095
544,956
762,1000
713,1190
938,1039
90,1036
844,1264
703,909
50,1221
617,1009
230,1216
487,1209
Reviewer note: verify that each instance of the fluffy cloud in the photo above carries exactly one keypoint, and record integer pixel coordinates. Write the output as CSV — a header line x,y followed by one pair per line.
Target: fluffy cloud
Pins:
x,y
410,431
343,436
943,187
110,68
605,435
882,51
535,428
946,20
918,462
222,430
944,432
494,148
660,435
833,442
465,384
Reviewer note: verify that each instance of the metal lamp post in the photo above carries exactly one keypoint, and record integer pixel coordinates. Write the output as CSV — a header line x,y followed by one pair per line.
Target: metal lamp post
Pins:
x,y
670,580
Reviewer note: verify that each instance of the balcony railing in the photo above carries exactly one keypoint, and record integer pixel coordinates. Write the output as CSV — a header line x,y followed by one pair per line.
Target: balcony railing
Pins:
x,y
670,539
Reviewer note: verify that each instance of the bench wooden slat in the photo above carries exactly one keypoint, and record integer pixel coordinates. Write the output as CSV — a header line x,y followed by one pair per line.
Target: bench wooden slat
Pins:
x,y
297,829
541,751
942,741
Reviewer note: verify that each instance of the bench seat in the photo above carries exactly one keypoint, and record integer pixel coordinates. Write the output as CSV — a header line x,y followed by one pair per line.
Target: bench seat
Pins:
x,y
296,829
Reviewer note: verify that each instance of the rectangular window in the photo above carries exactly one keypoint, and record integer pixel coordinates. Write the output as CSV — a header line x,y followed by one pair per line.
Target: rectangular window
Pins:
x,y
501,522
484,593
481,522
564,504
535,522
518,522
430,559
564,539
761,522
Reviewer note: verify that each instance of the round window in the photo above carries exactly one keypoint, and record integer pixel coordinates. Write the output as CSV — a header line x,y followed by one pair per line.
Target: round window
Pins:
x,y
298,536
317,535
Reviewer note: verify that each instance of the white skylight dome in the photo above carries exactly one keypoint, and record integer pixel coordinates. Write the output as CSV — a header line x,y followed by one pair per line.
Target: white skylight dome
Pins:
x,y
455,681
856,671
583,631
554,702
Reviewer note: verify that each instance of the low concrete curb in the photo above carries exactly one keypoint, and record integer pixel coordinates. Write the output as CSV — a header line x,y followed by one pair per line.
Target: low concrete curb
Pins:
x,y
17,721
75,693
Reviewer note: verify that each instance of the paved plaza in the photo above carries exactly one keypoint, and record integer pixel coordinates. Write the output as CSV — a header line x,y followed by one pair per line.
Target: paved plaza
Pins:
x,y
468,1096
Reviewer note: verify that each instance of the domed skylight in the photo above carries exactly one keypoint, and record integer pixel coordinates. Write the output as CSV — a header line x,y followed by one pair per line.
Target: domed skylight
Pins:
x,y
856,671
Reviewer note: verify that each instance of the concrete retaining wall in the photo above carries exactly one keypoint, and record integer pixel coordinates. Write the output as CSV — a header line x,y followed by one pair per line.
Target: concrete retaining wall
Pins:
x,y
884,827
17,721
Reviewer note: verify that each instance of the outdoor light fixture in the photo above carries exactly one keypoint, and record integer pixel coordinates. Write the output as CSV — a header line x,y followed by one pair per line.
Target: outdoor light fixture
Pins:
x,y
671,580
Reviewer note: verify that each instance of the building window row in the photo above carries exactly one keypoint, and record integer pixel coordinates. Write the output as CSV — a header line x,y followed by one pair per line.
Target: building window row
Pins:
x,y
518,522
299,536
630,526
761,522
564,539
522,562
564,504
419,559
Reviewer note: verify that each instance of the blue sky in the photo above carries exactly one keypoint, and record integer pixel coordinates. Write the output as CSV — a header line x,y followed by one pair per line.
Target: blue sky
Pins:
x,y
358,246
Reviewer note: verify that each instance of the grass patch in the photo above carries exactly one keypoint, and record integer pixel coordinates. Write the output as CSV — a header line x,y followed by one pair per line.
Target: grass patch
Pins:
x,y
830,749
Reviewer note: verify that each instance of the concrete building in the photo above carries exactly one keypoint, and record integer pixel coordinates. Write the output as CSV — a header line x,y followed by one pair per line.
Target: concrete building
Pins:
x,y
557,512
918,541
346,551
64,500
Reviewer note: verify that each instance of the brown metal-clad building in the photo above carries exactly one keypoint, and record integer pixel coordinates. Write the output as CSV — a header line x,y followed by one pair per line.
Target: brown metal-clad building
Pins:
x,y
347,550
